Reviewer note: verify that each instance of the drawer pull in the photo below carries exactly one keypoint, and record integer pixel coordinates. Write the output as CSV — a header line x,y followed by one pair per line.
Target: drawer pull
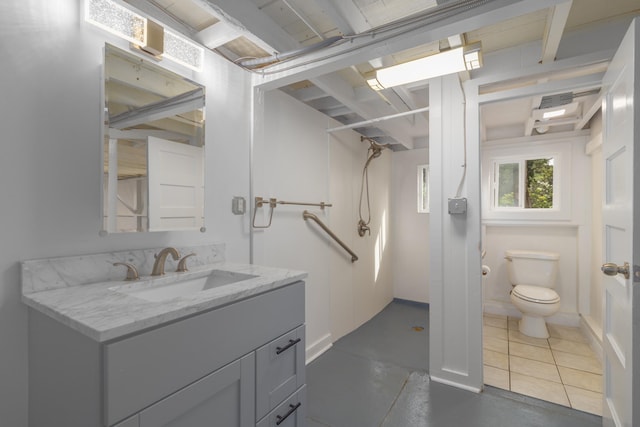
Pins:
x,y
292,409
288,346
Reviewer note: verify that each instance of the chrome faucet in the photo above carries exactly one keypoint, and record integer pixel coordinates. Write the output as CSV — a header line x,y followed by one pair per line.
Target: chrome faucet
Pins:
x,y
161,258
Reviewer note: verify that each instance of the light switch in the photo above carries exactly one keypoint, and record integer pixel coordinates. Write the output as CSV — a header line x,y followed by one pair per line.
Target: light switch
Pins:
x,y
238,205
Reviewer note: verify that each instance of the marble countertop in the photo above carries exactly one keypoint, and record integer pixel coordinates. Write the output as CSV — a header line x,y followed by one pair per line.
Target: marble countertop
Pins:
x,y
104,311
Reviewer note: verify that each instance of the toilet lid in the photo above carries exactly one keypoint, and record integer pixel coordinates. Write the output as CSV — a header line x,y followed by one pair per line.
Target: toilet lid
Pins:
x,y
536,294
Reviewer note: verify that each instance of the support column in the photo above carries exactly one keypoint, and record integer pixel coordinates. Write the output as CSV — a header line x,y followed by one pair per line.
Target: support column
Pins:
x,y
455,262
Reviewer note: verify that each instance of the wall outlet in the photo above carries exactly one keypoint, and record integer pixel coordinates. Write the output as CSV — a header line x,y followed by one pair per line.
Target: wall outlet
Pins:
x,y
458,205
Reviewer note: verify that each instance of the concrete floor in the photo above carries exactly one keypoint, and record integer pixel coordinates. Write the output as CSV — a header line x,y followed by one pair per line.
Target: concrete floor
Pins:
x,y
377,376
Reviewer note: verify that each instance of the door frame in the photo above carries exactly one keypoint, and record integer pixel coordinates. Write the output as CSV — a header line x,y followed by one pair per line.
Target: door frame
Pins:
x,y
475,99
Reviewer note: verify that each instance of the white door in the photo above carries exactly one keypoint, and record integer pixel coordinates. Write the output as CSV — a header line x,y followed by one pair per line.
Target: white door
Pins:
x,y
176,185
621,337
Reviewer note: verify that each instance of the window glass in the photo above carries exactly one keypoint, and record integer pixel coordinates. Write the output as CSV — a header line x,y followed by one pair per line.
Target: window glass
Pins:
x,y
525,184
539,184
508,185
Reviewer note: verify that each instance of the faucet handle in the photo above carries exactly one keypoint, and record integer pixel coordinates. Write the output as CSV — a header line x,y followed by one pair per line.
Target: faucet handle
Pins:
x,y
182,265
132,271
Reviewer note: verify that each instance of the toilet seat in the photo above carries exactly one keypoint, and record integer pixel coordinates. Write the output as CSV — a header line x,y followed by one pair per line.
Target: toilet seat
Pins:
x,y
536,294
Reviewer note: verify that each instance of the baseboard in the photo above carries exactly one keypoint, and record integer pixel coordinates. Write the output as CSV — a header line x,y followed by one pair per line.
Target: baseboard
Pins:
x,y
315,349
593,332
412,302
500,308
565,319
455,384
507,309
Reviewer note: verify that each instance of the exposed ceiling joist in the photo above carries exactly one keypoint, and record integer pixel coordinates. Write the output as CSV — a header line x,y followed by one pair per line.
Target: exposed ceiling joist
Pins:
x,y
346,15
589,113
332,84
246,18
554,28
150,9
217,34
343,92
303,18
589,82
379,119
543,70
309,94
367,48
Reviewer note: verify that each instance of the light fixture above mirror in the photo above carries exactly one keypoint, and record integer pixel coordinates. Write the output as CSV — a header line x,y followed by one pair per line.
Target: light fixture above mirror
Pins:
x,y
144,34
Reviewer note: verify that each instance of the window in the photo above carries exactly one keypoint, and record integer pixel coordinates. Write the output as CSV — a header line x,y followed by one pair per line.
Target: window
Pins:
x,y
423,189
528,180
524,183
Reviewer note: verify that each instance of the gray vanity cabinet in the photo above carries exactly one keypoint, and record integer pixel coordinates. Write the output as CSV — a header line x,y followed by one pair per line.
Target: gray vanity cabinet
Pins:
x,y
231,366
280,370
223,398
290,413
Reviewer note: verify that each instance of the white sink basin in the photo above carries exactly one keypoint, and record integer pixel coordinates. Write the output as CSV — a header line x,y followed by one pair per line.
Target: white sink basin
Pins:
x,y
166,291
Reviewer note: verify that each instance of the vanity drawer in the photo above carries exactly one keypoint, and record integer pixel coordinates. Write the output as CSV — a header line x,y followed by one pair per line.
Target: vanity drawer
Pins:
x,y
290,413
145,368
280,370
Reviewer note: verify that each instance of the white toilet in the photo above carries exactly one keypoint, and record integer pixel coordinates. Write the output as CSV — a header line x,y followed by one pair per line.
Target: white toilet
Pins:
x,y
533,275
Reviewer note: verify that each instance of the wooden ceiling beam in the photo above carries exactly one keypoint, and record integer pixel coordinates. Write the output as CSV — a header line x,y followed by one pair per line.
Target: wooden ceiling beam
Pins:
x,y
554,28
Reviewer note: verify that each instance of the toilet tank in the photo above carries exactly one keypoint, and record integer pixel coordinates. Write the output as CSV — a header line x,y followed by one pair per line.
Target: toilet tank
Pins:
x,y
535,268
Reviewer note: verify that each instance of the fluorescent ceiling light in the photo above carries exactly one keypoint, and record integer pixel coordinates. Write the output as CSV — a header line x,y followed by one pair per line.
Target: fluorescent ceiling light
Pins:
x,y
552,114
566,110
447,62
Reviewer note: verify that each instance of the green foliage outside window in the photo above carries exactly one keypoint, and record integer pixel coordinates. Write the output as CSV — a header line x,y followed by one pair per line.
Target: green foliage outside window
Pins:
x,y
538,184
539,180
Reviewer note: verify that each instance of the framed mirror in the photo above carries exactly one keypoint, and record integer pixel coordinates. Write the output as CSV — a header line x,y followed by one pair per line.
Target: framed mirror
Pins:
x,y
153,168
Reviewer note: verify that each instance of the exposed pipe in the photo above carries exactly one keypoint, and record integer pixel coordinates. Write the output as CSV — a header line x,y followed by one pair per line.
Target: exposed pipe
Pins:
x,y
287,55
376,151
378,119
404,25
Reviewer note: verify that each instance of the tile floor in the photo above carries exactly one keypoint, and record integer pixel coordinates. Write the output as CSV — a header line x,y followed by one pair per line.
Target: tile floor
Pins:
x,y
562,369
377,377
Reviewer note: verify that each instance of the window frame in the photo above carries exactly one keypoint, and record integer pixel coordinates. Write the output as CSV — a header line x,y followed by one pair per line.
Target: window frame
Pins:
x,y
505,151
522,168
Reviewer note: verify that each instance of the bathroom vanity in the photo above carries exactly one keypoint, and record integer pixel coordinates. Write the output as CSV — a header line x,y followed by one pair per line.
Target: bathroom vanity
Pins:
x,y
129,354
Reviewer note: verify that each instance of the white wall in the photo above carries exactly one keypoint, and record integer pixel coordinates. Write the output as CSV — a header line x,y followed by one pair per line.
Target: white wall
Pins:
x,y
563,240
50,162
569,236
410,229
296,160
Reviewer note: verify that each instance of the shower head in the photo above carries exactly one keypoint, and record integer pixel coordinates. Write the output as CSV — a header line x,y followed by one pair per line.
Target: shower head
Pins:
x,y
376,149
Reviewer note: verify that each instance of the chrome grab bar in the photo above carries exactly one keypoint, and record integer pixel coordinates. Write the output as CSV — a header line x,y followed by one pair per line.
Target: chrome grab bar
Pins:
x,y
308,215
260,201
321,204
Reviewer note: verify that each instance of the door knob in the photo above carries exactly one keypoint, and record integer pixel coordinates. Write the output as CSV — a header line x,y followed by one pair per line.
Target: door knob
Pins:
x,y
611,269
